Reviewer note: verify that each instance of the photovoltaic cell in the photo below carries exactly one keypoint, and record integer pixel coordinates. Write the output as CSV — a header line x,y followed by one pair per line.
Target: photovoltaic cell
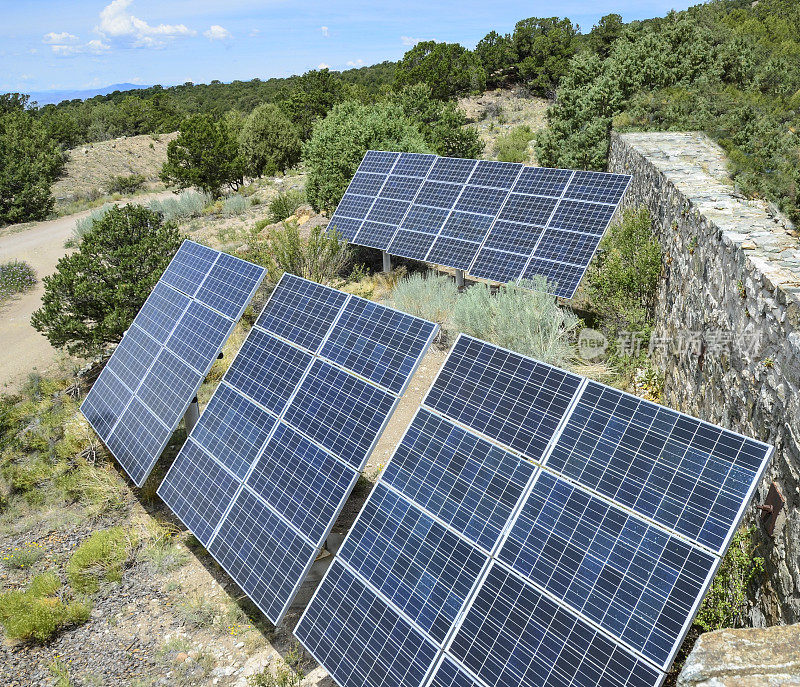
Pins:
x,y
156,369
288,430
685,474
515,573
506,396
466,199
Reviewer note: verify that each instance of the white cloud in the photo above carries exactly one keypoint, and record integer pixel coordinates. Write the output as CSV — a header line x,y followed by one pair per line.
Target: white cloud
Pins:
x,y
324,30
93,47
118,23
217,33
322,65
407,40
62,38
254,32
355,63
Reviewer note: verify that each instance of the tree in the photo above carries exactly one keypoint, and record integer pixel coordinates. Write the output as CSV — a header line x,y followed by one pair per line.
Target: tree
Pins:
x,y
543,49
604,33
30,161
95,292
311,97
448,68
495,53
442,123
204,155
339,142
269,142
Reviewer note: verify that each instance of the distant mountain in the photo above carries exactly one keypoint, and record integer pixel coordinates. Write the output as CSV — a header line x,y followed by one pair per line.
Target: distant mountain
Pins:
x,y
55,97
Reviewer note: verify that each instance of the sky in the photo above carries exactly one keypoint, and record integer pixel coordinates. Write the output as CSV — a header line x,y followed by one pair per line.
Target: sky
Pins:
x,y
81,44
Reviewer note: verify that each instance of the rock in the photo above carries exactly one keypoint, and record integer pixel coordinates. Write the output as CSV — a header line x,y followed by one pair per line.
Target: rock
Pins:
x,y
181,657
753,657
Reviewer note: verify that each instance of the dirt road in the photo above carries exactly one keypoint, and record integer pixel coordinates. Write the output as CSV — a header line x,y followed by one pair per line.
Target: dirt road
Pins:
x,y
22,348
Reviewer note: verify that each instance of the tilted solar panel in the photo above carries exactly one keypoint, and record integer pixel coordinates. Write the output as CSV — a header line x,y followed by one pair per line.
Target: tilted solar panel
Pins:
x,y
496,220
288,431
494,535
155,371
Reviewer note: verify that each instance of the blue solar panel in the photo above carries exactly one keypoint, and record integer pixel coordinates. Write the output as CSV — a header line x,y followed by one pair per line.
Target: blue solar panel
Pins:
x,y
468,483
506,396
517,575
293,424
379,162
267,370
262,553
301,311
359,638
466,199
189,267
633,579
683,473
514,635
417,563
301,482
160,363
341,412
378,343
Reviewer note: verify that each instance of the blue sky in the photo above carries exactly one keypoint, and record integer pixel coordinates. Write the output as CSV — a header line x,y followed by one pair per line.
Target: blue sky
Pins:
x,y
86,43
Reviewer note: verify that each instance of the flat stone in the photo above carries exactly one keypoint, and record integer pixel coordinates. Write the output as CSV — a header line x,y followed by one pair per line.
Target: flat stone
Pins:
x,y
754,657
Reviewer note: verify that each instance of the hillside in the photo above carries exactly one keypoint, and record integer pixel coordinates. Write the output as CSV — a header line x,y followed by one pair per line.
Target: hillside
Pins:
x,y
89,167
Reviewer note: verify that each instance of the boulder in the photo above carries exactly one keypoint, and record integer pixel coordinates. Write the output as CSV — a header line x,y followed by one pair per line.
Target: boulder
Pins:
x,y
752,657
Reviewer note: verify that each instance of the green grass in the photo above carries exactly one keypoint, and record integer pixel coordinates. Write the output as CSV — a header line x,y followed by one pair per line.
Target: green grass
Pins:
x,y
38,612
101,558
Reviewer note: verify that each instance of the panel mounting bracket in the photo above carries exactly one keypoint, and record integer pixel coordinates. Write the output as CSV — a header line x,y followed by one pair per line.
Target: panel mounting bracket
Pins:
x,y
771,509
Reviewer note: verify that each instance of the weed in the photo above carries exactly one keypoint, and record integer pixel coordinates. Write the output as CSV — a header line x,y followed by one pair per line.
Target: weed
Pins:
x,y
234,205
285,204
197,611
726,603
60,671
21,557
513,146
38,612
283,675
16,277
185,205
101,557
741,289
429,296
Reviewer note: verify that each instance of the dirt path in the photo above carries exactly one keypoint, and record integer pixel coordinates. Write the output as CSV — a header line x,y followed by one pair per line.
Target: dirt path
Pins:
x,y
41,244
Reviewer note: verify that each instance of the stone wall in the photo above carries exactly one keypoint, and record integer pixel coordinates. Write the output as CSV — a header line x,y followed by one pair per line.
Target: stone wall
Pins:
x,y
728,322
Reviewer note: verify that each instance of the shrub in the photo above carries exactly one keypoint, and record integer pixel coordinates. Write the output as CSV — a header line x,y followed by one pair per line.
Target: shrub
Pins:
x,y
285,204
527,320
269,141
101,557
318,256
513,146
95,292
339,143
234,205
84,224
38,613
726,603
622,286
183,206
15,277
125,185
449,69
430,296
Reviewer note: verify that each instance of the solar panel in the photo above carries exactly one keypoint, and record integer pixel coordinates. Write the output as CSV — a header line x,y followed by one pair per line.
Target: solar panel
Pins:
x,y
496,220
155,371
493,534
288,431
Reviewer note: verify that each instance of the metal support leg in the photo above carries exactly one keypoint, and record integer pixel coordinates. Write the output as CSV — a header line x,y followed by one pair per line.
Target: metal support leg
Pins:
x,y
387,261
192,415
460,279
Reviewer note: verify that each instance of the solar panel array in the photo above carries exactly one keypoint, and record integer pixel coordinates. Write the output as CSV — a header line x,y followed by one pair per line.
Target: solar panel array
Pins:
x,y
534,528
500,221
265,473
147,384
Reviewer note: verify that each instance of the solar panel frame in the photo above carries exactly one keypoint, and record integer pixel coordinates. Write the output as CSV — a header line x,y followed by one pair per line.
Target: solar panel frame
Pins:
x,y
455,185
193,249
635,661
283,305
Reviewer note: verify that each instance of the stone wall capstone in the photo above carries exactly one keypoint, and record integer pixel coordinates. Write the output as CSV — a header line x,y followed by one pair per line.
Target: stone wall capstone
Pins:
x,y
728,322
